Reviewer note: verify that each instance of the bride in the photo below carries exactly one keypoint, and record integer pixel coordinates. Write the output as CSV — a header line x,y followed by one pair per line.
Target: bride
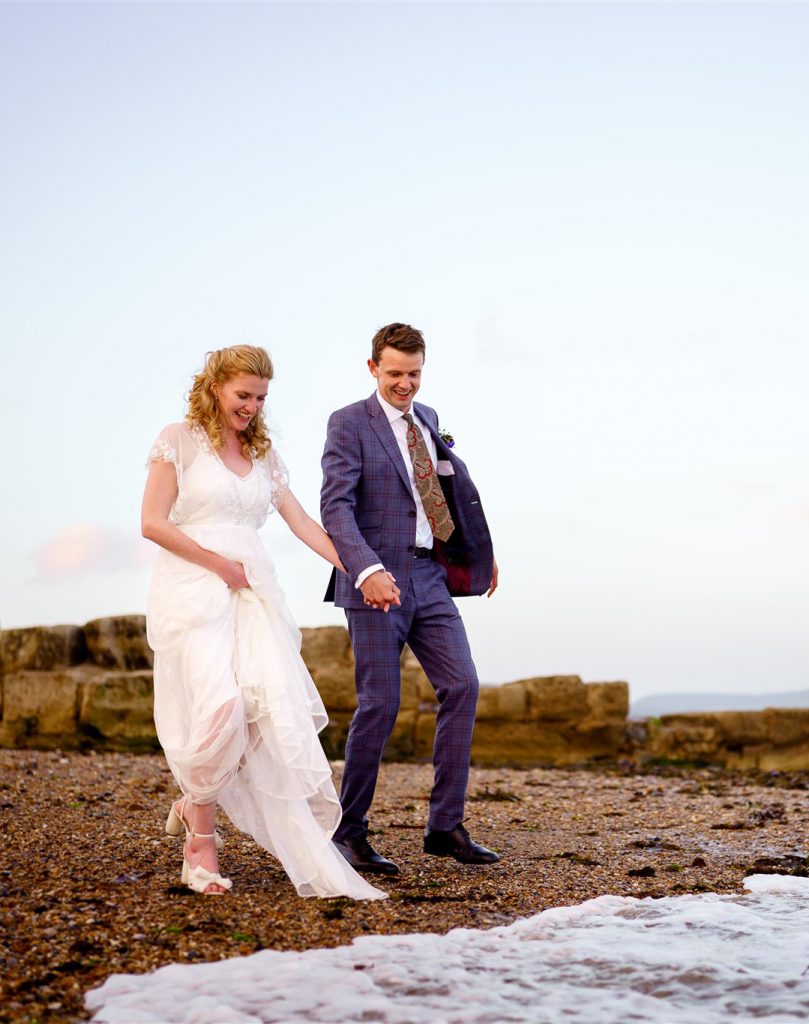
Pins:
x,y
236,711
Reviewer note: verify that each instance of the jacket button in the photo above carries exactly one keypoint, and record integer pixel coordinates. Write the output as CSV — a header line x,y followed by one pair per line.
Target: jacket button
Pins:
x,y
412,513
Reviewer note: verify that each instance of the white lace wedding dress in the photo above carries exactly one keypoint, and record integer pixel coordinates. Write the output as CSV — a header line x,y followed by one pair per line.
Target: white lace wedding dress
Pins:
x,y
236,710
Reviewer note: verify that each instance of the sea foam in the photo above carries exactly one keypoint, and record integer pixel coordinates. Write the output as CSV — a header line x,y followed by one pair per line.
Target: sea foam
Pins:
x,y
701,959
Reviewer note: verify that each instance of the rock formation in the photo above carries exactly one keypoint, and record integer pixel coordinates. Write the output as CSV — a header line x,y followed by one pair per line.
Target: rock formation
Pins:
x,y
91,687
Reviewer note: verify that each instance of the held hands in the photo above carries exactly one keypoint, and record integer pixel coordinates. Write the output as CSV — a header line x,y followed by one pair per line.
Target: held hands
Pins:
x,y
233,574
380,591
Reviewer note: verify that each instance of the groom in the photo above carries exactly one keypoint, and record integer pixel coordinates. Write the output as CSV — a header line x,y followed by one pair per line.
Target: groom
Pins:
x,y
398,502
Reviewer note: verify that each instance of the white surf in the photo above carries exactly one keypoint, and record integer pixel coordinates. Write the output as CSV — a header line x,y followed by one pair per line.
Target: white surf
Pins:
x,y
701,959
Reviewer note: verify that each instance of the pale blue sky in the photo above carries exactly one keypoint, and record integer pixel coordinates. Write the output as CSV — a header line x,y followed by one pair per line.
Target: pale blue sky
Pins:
x,y
597,214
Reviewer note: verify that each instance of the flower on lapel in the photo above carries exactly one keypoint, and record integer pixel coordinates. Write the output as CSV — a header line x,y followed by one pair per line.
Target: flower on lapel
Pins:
x,y
447,438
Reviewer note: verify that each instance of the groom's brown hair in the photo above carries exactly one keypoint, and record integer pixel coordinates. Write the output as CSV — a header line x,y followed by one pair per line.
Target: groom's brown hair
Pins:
x,y
399,336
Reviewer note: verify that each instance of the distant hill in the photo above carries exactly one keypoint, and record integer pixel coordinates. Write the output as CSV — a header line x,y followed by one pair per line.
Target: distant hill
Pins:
x,y
680,703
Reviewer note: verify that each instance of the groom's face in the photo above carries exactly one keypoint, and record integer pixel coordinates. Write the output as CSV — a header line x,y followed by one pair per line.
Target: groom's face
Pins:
x,y
398,376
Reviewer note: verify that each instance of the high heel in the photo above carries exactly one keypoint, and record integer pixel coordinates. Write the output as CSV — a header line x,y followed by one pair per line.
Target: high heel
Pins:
x,y
175,823
199,878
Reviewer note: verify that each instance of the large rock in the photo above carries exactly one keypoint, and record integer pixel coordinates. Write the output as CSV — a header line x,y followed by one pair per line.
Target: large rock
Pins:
x,y
116,710
79,707
330,660
556,698
508,702
550,720
326,645
520,743
119,642
41,648
607,702
773,739
40,708
598,741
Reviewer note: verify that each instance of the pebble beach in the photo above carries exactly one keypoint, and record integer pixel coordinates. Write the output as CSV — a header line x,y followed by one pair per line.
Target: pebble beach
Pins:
x,y
90,883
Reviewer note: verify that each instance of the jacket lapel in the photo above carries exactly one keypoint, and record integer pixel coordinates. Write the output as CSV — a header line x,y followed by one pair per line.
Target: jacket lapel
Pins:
x,y
384,431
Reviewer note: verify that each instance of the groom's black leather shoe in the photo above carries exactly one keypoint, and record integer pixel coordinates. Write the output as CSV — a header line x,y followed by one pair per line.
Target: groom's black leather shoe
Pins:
x,y
363,857
458,844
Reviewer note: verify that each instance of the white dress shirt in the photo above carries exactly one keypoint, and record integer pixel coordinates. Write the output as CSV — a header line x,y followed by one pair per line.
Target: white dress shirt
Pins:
x,y
424,535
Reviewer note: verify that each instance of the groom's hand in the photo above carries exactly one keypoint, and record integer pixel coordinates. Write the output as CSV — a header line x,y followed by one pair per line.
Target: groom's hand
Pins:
x,y
379,590
493,584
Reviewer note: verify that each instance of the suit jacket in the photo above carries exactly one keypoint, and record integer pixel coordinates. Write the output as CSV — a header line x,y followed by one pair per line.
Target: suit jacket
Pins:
x,y
368,509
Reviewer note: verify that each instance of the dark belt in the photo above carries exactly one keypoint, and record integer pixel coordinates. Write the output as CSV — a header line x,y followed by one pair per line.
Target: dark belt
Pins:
x,y
422,552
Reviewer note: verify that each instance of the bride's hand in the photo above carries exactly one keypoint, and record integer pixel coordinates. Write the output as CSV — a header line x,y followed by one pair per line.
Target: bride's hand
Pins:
x,y
233,574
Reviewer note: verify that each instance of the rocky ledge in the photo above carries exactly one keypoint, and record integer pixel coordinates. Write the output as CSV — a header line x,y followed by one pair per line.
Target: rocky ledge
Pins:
x,y
90,687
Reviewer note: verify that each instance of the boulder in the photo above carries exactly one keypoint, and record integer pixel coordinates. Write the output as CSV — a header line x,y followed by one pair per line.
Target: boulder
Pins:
x,y
335,686
607,702
326,645
788,727
776,739
119,642
598,741
681,739
544,743
41,648
328,656
40,708
502,703
556,698
115,709
78,707
520,743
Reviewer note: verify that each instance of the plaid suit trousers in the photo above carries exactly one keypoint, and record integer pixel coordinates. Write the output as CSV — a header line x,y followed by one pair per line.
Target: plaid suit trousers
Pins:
x,y
429,622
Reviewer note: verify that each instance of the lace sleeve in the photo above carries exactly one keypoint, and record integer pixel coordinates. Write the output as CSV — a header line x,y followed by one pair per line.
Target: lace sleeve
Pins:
x,y
279,477
162,451
168,447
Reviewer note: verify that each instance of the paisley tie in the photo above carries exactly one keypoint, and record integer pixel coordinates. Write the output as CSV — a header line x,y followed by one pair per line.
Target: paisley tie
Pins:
x,y
432,497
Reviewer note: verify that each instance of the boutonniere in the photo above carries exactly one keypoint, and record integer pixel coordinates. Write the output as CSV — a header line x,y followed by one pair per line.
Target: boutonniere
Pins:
x,y
447,438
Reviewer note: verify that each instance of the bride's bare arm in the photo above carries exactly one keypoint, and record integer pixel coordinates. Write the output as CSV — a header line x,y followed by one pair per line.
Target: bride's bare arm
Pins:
x,y
158,497
306,529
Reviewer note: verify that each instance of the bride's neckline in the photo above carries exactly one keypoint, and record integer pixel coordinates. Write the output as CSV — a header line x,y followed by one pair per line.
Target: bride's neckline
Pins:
x,y
239,476
205,440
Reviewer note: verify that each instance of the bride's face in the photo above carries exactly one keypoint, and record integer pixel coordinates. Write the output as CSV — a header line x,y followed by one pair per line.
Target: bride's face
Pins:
x,y
240,399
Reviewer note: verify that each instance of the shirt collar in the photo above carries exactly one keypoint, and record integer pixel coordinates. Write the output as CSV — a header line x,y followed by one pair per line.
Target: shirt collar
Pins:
x,y
391,411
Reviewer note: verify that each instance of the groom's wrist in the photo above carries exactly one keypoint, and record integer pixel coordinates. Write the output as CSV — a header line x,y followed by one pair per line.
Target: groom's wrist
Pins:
x,y
363,576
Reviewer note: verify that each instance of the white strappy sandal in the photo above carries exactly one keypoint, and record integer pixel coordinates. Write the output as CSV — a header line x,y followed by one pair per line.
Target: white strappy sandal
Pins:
x,y
175,823
198,878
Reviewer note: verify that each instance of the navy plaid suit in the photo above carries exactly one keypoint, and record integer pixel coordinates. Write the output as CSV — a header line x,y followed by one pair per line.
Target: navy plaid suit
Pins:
x,y
368,509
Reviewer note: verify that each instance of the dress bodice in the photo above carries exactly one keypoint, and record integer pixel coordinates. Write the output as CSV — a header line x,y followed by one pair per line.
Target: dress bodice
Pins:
x,y
208,492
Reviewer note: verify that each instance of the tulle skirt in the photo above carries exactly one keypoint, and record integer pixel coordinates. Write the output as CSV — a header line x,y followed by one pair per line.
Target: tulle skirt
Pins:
x,y
237,712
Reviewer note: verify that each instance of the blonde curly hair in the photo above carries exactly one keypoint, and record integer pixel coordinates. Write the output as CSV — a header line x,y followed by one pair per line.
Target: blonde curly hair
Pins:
x,y
221,366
